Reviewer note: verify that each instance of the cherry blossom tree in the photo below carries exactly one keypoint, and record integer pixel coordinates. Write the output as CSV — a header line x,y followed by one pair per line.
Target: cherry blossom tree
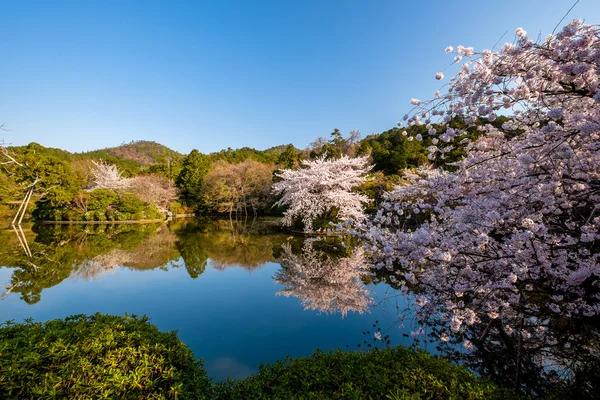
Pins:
x,y
154,189
108,176
510,240
323,282
321,185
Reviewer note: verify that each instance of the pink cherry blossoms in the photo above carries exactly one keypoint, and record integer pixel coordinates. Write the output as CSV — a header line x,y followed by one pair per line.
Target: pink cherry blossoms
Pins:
x,y
510,240
320,186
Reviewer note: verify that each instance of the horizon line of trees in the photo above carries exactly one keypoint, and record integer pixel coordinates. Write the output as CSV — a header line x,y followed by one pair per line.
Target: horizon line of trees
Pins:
x,y
231,181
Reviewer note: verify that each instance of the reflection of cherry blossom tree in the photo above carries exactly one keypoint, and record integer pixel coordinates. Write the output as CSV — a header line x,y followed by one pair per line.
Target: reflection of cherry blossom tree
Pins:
x,y
322,282
320,186
510,240
156,251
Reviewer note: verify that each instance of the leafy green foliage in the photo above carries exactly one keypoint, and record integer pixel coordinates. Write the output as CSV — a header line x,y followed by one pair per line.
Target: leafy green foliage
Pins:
x,y
234,156
376,186
399,373
103,356
98,205
97,356
289,158
101,199
392,152
129,203
194,169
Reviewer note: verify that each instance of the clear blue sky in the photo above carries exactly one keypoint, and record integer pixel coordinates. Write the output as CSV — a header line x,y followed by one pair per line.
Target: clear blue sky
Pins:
x,y
82,75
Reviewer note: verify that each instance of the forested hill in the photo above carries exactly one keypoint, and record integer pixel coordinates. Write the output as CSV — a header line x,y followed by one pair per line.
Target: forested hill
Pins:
x,y
142,152
391,152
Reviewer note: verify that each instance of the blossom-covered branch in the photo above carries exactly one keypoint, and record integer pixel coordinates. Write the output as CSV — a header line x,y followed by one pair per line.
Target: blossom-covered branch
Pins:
x,y
512,235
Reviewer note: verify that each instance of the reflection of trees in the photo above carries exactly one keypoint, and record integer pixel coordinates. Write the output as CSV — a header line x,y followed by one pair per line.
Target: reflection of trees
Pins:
x,y
193,254
323,282
227,244
58,251
89,251
156,251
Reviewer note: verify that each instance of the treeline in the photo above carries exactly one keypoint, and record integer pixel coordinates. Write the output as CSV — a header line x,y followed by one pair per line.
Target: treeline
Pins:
x,y
229,181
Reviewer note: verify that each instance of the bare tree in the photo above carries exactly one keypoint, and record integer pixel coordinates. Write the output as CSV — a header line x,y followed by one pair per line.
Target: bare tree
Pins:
x,y
236,187
155,189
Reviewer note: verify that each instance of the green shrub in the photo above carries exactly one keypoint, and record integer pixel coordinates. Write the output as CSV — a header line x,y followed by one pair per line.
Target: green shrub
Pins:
x,y
129,203
175,207
152,212
100,199
394,373
99,356
100,215
73,215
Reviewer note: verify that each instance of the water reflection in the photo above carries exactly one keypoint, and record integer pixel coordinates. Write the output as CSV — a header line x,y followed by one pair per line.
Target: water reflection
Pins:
x,y
213,281
46,255
227,244
323,281
327,276
57,252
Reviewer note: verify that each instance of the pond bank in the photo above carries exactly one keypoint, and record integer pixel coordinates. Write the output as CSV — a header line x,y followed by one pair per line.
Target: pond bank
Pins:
x,y
142,221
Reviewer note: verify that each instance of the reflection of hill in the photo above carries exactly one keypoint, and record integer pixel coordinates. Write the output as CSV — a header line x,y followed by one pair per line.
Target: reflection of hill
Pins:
x,y
324,282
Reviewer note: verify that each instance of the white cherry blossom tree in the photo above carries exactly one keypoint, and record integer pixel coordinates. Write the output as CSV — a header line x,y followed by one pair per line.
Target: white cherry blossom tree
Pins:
x,y
108,176
321,185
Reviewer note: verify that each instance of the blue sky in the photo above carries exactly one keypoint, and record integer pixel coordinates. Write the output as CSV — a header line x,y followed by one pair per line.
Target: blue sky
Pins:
x,y
82,75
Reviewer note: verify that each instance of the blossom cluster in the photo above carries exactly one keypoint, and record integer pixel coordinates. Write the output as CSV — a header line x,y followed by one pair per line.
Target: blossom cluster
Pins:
x,y
321,185
512,235
108,176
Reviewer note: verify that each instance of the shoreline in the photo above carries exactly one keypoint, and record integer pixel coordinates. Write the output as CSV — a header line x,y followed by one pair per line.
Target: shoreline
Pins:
x,y
142,221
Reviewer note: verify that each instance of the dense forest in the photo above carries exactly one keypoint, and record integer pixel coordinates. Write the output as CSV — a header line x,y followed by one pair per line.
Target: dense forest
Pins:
x,y
144,180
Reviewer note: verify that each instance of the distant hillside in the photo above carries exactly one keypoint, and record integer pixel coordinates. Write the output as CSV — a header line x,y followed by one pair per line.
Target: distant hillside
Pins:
x,y
143,153
270,155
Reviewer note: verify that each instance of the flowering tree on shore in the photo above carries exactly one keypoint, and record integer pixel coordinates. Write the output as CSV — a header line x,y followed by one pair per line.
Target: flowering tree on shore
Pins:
x,y
154,189
321,185
108,176
510,240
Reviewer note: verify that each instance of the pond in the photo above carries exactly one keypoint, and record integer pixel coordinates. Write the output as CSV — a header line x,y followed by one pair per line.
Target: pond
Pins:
x,y
239,293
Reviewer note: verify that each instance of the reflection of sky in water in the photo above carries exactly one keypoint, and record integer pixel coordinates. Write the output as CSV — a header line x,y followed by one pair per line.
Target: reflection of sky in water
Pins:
x,y
231,318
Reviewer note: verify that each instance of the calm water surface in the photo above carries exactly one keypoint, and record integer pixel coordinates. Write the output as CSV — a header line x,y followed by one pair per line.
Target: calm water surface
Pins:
x,y
215,282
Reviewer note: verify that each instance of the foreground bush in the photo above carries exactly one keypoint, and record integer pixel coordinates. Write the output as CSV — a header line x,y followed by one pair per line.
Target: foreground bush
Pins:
x,y
394,373
97,356
102,356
